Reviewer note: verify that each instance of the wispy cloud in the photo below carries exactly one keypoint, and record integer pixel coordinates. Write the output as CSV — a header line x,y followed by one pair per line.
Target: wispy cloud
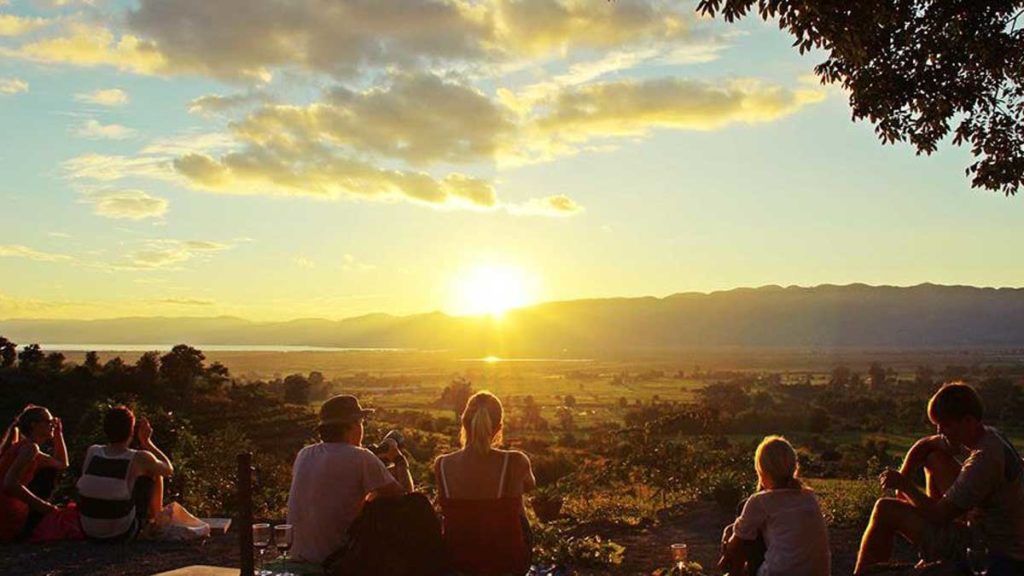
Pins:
x,y
170,254
13,86
130,204
12,25
19,251
108,97
94,130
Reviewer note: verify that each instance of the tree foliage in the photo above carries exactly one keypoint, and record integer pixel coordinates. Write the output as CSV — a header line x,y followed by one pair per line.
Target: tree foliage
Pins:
x,y
916,68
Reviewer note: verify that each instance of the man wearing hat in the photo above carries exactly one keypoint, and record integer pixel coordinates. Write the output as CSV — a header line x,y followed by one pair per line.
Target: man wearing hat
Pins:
x,y
333,478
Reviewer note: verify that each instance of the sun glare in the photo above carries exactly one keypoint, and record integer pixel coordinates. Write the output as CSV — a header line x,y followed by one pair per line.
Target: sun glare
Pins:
x,y
492,290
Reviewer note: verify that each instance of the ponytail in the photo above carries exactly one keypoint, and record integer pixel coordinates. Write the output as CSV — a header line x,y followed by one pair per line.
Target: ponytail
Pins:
x,y
481,422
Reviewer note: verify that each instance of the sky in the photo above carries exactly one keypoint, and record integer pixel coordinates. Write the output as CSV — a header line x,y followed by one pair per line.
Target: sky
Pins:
x,y
331,158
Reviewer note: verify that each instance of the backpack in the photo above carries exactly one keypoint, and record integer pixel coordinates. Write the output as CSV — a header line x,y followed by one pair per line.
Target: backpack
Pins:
x,y
392,537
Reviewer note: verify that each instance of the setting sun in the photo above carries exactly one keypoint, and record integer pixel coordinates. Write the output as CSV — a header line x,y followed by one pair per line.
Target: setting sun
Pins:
x,y
493,290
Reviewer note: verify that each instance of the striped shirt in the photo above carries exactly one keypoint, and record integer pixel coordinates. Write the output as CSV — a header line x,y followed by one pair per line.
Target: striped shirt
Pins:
x,y
105,493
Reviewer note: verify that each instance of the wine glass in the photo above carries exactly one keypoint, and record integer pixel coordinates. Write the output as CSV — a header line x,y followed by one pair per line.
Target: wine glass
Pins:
x,y
261,540
680,554
283,541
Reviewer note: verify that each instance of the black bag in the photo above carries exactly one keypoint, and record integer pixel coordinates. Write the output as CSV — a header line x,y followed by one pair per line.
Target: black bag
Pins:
x,y
392,537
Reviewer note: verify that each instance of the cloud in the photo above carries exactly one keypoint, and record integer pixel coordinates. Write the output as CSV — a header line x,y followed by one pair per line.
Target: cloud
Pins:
x,y
109,97
419,119
94,130
11,25
19,251
130,204
249,39
322,173
303,262
110,168
13,86
214,104
559,205
566,121
168,254
91,45
186,302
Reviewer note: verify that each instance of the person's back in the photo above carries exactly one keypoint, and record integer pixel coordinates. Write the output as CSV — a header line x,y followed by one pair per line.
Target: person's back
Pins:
x,y
13,512
783,515
105,492
481,496
332,479
992,482
794,531
121,489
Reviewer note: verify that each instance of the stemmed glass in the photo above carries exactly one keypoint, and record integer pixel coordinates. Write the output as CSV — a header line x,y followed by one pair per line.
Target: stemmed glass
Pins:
x,y
680,554
283,541
261,540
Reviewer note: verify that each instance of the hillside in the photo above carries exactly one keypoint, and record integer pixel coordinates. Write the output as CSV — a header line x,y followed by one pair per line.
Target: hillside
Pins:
x,y
861,316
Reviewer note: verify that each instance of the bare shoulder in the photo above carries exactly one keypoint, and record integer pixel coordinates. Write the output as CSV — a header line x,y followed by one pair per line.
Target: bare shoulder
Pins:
x,y
518,458
28,450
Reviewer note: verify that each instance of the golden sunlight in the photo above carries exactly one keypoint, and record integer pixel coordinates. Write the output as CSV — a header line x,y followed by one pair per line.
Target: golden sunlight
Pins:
x,y
493,290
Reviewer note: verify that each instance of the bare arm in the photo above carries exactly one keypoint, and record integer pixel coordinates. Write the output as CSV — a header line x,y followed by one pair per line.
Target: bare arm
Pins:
x,y
940,511
159,464
13,486
918,453
59,460
529,480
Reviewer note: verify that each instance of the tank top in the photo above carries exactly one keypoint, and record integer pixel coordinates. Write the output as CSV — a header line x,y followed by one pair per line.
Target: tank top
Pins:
x,y
14,512
105,495
484,537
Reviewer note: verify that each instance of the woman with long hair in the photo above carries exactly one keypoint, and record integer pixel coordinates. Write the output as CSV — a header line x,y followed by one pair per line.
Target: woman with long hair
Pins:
x,y
481,490
23,498
782,521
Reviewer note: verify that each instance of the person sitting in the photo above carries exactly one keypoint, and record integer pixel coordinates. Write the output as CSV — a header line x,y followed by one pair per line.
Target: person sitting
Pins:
x,y
481,496
29,475
333,478
988,488
783,513
121,489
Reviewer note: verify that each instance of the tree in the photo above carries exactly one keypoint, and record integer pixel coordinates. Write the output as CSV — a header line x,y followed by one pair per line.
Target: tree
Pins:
x,y
180,368
147,370
456,394
296,389
877,376
30,357
915,67
8,352
840,378
55,361
92,361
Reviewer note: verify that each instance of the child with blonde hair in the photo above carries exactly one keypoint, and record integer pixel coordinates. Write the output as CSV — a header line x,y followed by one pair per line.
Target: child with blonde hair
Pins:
x,y
784,515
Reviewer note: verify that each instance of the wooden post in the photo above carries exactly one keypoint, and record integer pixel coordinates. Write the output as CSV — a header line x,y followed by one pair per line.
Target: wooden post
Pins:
x,y
245,514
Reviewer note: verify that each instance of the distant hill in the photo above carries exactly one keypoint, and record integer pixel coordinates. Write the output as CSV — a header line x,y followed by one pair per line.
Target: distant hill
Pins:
x,y
861,316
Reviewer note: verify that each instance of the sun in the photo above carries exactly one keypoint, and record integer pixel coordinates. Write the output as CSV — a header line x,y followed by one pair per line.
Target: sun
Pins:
x,y
492,290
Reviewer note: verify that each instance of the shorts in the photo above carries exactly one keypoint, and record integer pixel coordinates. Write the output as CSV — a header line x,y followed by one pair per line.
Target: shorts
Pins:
x,y
946,542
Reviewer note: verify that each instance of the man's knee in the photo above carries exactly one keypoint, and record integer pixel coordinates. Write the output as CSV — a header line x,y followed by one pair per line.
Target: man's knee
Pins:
x,y
887,510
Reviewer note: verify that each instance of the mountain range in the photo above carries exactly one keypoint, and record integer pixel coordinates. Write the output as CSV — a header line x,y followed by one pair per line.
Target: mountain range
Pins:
x,y
826,316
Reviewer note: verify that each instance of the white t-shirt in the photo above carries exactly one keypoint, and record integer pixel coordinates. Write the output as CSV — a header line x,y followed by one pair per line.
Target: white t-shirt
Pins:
x,y
794,532
330,481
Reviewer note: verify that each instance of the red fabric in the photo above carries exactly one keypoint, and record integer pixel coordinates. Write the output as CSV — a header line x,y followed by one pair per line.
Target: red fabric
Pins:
x,y
63,524
13,512
485,537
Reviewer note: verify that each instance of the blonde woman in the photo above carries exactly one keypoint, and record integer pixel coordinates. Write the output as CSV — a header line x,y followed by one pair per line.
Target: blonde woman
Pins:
x,y
480,489
783,513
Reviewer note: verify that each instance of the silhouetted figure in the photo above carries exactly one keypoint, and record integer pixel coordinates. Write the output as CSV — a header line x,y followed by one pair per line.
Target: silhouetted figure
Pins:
x,y
987,490
481,492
